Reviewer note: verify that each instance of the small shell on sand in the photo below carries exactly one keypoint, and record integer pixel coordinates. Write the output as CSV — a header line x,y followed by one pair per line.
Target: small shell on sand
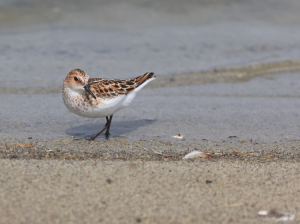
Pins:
x,y
177,136
263,212
195,154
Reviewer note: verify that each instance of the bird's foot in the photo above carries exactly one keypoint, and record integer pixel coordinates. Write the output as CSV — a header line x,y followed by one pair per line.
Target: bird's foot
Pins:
x,y
93,137
107,135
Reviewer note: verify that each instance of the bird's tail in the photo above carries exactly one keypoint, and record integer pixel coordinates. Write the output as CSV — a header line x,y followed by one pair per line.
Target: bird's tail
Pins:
x,y
142,80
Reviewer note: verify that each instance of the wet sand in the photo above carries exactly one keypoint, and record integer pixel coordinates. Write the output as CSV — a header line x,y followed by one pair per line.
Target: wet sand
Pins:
x,y
227,81
265,109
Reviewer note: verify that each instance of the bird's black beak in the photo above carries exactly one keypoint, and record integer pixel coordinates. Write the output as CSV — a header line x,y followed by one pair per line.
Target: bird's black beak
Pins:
x,y
87,88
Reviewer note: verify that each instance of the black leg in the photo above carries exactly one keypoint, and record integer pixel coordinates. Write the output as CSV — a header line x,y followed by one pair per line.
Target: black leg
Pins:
x,y
108,127
102,130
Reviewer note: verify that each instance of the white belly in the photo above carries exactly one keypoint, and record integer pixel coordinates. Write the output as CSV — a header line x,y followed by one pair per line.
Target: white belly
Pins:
x,y
100,108
109,106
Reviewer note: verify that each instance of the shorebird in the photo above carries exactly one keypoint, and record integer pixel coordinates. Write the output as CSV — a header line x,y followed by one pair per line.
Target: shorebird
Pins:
x,y
100,97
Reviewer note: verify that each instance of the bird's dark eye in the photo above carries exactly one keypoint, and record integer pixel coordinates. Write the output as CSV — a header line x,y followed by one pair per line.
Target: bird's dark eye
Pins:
x,y
75,78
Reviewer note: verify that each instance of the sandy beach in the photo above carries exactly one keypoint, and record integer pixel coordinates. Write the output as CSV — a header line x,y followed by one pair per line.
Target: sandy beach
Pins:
x,y
227,81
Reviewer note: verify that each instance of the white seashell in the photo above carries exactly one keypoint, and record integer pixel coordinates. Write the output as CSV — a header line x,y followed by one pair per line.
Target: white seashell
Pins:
x,y
263,212
286,218
292,217
195,154
177,136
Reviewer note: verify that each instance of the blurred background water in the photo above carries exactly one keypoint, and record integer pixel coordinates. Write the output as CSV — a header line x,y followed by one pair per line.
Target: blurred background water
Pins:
x,y
117,39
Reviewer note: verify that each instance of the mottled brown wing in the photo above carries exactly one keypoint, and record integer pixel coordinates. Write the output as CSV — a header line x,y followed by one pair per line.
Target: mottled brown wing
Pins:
x,y
109,88
141,79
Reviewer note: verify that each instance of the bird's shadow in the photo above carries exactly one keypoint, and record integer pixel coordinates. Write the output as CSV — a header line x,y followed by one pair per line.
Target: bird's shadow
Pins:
x,y
117,128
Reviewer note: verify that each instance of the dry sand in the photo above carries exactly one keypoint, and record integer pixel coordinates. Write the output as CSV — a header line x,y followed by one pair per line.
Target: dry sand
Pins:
x,y
81,181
